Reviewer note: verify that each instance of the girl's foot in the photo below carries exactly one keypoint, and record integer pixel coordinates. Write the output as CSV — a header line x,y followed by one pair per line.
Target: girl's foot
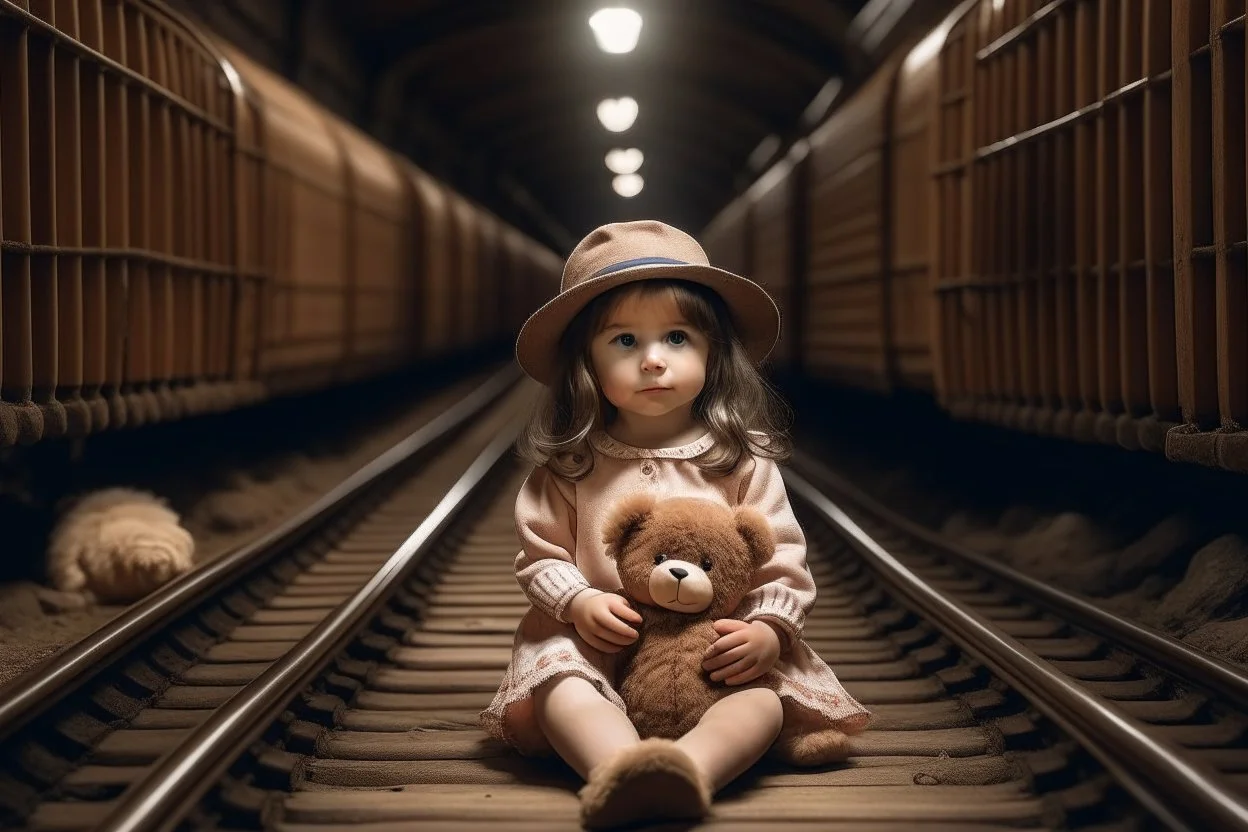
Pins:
x,y
652,780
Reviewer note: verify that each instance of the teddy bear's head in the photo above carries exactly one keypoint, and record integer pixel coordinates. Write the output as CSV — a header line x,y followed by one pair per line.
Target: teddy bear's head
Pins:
x,y
686,554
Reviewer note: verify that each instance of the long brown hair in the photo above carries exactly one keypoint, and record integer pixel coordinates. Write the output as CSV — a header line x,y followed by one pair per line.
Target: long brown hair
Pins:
x,y
740,409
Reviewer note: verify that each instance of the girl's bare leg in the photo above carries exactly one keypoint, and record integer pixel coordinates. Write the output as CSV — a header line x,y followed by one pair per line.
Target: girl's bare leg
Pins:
x,y
580,724
733,734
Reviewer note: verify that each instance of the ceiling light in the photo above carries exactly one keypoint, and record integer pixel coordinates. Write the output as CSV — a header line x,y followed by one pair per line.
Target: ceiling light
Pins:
x,y
617,114
624,161
628,185
762,154
822,102
616,30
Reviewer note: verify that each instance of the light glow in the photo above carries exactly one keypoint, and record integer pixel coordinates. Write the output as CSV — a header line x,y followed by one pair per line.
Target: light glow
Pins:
x,y
762,154
616,29
929,47
624,161
617,114
628,185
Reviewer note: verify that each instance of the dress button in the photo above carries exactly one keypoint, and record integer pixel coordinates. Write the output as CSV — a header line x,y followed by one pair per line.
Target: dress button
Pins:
x,y
647,468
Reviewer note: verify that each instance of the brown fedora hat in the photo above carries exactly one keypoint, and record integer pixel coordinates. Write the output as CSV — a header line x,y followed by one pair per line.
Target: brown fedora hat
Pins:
x,y
626,252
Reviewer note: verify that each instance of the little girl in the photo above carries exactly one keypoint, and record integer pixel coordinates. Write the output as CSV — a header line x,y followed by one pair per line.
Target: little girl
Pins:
x,y
649,357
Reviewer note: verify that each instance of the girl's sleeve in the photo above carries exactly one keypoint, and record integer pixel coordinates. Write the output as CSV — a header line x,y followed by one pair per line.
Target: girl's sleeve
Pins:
x,y
786,589
546,523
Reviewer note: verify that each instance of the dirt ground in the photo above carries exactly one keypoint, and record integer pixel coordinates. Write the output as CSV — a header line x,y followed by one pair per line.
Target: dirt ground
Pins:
x,y
1160,542
275,461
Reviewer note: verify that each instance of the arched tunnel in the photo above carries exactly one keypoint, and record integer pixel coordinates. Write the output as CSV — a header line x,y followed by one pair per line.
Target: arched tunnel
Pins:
x,y
356,471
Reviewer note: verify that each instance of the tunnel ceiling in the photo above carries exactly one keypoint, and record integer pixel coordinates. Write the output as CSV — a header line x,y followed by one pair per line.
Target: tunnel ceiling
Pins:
x,y
521,80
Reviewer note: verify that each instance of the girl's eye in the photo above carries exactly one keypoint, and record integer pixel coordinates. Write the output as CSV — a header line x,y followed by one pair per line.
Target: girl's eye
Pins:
x,y
677,337
626,340
659,559
706,564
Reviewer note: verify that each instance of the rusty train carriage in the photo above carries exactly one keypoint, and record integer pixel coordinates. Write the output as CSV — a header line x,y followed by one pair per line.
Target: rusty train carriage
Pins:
x,y
911,156
773,247
725,239
1020,215
987,219
184,231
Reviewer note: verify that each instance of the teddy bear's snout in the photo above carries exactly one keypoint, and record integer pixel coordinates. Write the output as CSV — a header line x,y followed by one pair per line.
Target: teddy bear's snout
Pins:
x,y
681,586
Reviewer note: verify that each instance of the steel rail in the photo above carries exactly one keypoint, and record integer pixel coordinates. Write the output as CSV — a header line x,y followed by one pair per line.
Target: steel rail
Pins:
x,y
1183,794
1194,666
171,787
26,697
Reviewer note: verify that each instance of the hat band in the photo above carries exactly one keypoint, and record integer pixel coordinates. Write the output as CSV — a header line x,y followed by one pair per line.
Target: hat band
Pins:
x,y
638,261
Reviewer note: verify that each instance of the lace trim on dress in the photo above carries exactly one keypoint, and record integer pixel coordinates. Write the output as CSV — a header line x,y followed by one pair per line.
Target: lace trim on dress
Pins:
x,y
602,442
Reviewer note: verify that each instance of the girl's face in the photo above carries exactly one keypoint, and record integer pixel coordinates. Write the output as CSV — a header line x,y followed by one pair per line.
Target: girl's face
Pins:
x,y
649,360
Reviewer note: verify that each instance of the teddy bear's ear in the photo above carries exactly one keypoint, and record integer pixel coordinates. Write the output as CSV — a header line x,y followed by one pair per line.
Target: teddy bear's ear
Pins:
x,y
756,532
625,520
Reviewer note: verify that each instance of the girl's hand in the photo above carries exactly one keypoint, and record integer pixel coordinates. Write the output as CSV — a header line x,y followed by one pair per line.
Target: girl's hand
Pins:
x,y
599,618
743,652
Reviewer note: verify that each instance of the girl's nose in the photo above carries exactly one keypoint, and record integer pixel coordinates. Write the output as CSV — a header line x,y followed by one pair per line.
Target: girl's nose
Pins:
x,y
653,362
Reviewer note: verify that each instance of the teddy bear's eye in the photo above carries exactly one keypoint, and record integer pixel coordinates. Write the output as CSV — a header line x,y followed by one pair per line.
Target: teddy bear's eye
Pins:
x,y
659,559
706,564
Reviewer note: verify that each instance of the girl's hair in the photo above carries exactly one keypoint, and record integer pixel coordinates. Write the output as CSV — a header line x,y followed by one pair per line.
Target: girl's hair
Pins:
x,y
741,410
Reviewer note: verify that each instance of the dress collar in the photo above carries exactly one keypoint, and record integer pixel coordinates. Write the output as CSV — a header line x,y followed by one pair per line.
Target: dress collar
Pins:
x,y
607,446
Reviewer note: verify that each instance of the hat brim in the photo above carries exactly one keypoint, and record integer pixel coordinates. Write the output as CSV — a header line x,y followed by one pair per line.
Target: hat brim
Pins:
x,y
754,313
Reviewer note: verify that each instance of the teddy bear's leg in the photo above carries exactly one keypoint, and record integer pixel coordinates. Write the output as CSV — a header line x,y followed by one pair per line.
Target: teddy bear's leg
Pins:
x,y
652,780
813,748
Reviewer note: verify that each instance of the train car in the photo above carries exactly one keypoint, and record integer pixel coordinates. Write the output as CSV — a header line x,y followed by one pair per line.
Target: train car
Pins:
x,y
380,309
1067,321
914,327
1062,268
513,290
117,268
726,238
304,206
775,248
546,271
490,273
1019,216
431,268
1207,158
185,231
846,335
463,285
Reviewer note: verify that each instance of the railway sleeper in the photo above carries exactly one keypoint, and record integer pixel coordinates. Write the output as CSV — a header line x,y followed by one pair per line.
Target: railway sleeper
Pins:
x,y
408,737
387,733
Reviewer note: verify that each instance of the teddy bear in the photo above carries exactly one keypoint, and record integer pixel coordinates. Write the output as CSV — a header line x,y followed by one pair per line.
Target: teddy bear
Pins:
x,y
684,563
116,545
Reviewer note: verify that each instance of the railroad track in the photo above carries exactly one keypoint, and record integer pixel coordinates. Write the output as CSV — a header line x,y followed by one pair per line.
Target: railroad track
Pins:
x,y
365,713
111,704
1170,721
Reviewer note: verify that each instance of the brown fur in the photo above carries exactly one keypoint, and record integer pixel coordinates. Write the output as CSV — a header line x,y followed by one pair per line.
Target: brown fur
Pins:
x,y
117,545
663,683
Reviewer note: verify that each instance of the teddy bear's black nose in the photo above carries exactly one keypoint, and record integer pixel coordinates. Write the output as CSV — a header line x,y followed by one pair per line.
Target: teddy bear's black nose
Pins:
x,y
679,572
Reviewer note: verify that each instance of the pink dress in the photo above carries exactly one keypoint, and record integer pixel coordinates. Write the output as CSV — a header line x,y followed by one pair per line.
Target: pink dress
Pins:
x,y
560,528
